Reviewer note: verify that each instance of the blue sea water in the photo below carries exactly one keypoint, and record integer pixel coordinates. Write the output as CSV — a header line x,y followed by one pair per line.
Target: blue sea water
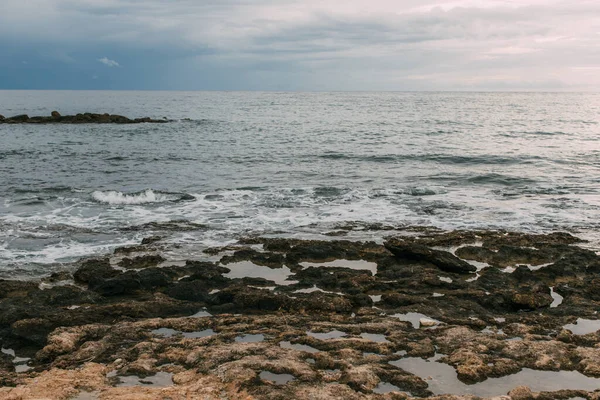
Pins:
x,y
289,164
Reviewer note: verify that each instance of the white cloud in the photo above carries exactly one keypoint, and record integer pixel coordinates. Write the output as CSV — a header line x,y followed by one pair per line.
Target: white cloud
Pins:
x,y
108,62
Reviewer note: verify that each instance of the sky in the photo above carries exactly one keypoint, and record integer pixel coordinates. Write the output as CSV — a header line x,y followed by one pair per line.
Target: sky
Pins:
x,y
308,45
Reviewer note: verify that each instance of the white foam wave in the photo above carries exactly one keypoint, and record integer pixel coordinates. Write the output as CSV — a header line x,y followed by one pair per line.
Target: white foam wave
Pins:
x,y
113,197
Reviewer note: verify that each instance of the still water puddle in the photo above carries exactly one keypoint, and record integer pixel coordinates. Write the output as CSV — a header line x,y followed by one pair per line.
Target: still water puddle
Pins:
x,y
416,319
558,299
442,379
583,326
316,289
299,347
247,269
279,379
351,264
20,363
168,332
250,338
160,379
334,334
374,337
386,387
201,313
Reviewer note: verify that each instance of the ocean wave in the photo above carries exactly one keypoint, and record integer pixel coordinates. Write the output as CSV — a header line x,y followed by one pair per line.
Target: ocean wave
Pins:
x,y
148,196
484,159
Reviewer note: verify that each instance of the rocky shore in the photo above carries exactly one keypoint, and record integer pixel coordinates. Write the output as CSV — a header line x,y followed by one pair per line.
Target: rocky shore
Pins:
x,y
85,118
428,314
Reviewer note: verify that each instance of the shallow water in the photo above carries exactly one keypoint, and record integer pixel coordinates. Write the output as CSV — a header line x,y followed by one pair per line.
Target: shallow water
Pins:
x,y
442,379
386,387
247,269
289,164
279,379
583,326
558,299
250,338
297,346
414,318
351,264
334,334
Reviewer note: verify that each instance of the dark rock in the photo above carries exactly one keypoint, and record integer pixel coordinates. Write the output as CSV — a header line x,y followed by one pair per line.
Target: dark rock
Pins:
x,y
18,118
441,259
151,239
190,291
85,118
398,299
16,288
58,276
206,271
2,117
145,261
35,330
94,271
65,296
271,260
530,300
153,278
126,283
258,299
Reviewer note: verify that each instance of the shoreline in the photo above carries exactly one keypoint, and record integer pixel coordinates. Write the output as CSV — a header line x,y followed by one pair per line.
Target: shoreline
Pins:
x,y
462,312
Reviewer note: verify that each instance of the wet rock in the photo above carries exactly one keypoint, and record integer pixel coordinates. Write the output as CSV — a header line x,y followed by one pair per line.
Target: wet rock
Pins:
x,y
441,259
140,262
398,299
126,283
94,271
16,288
257,299
66,295
530,300
34,330
151,239
195,290
17,119
271,260
81,118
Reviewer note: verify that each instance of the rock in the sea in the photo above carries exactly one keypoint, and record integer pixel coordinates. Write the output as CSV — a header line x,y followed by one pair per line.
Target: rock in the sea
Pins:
x,y
441,259
82,118
18,118
2,117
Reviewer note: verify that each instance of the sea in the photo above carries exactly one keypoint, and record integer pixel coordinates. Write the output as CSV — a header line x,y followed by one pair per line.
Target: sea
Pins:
x,y
346,165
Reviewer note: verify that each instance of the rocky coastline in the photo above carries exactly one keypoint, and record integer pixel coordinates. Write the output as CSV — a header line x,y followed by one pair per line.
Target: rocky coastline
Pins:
x,y
83,118
429,314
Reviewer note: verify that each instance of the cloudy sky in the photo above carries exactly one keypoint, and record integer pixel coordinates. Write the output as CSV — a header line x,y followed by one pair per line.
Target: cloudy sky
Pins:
x,y
300,44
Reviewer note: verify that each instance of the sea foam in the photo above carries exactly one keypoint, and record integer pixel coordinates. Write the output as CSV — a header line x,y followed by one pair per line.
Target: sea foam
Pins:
x,y
113,197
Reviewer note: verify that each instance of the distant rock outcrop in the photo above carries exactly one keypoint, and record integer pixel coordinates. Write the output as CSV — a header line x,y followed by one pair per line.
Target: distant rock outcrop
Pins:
x,y
85,118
